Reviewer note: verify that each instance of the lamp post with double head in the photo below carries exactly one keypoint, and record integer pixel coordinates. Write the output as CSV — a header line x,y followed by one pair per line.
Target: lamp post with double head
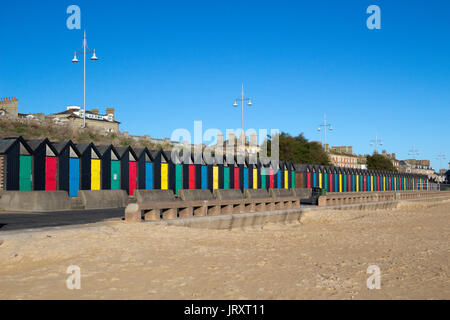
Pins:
x,y
326,126
85,50
235,104
377,142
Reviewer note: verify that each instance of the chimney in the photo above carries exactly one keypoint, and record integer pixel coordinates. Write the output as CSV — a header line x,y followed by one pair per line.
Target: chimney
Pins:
x,y
110,111
220,139
253,139
232,137
350,149
94,111
394,156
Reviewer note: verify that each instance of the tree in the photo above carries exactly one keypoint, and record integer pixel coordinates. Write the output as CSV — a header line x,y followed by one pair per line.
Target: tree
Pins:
x,y
299,150
379,162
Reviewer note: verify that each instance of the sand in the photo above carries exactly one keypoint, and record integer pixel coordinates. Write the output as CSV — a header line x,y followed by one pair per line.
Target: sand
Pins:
x,y
326,256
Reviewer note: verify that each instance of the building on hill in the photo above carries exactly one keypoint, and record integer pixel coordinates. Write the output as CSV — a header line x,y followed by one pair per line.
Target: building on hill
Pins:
x,y
417,166
73,115
392,157
343,156
9,107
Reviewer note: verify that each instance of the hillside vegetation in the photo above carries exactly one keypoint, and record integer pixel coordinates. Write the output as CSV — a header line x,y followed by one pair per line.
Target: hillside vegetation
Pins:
x,y
31,129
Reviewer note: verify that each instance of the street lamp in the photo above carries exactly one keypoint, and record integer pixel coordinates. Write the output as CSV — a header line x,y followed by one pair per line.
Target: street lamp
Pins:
x,y
414,152
325,126
377,142
440,157
235,104
85,50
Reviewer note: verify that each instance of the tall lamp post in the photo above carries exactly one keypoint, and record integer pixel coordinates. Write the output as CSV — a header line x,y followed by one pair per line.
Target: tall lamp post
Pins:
x,y
326,127
85,50
377,142
235,104
413,152
440,157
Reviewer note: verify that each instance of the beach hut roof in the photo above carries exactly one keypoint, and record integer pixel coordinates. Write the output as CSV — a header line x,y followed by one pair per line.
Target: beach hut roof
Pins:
x,y
144,152
35,144
108,148
61,145
123,150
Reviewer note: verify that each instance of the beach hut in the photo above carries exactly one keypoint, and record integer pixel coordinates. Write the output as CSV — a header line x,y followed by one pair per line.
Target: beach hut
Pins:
x,y
175,169
161,169
128,169
227,173
68,167
346,174
90,163
323,177
110,167
300,175
314,177
15,165
144,168
201,171
350,180
329,178
335,179
358,180
342,177
244,172
292,175
320,176
287,175
253,178
189,172
308,176
233,170
378,180
264,170
45,165
212,173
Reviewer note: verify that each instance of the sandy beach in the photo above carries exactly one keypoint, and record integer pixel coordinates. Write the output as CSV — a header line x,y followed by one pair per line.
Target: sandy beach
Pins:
x,y
326,256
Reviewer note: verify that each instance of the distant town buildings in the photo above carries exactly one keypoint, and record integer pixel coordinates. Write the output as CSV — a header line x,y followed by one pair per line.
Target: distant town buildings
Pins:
x,y
343,156
393,158
73,115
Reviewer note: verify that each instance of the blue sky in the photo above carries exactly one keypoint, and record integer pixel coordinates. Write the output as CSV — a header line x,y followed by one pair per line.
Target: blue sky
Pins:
x,y
165,64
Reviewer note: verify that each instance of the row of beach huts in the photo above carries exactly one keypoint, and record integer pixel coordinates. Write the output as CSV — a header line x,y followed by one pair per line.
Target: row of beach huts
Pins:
x,y
44,165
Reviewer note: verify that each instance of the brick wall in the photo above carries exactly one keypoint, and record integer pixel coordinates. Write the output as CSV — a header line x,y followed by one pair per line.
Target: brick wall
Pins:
x,y
2,172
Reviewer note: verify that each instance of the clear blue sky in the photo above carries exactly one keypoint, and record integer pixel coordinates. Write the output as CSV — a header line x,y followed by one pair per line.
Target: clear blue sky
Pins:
x,y
164,64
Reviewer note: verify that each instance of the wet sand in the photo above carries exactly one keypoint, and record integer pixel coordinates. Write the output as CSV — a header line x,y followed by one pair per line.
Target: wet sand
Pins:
x,y
326,256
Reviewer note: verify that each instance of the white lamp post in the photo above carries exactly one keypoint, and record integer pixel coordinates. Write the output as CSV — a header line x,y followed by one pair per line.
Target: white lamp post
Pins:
x,y
85,50
235,104
377,142
325,128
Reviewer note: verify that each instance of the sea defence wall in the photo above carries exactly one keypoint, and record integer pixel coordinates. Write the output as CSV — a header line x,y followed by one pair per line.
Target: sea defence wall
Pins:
x,y
196,204
34,201
292,216
334,199
103,199
45,201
